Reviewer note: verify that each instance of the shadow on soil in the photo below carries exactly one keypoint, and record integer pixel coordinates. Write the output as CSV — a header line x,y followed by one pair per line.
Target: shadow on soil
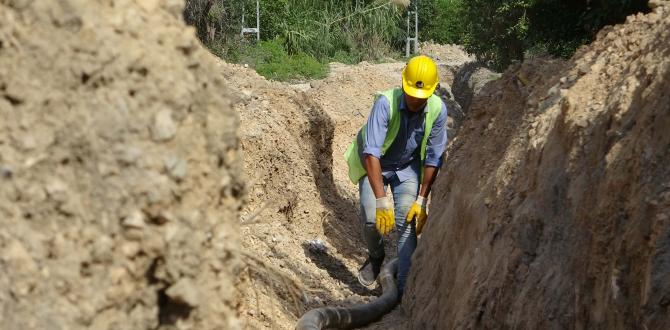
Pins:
x,y
340,222
337,270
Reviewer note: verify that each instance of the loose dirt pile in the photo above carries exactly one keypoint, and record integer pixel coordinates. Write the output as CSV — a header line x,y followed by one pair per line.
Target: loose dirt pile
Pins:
x,y
469,81
119,170
446,54
553,210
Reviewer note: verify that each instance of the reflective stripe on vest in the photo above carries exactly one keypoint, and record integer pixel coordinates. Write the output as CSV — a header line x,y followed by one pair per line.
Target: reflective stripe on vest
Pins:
x,y
354,153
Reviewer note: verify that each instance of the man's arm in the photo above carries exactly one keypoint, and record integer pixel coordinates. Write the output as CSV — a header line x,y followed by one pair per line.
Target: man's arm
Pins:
x,y
429,174
374,140
374,169
437,142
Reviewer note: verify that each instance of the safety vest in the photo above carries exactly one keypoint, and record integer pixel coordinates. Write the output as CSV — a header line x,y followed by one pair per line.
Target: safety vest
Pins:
x,y
354,153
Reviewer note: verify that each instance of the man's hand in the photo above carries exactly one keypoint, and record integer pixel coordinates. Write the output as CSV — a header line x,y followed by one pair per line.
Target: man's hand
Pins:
x,y
418,211
384,217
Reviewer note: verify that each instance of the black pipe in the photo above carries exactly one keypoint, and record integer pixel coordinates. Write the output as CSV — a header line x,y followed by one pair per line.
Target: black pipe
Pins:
x,y
358,315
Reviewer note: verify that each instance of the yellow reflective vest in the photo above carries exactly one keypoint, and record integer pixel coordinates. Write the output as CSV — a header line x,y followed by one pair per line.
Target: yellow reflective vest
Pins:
x,y
354,153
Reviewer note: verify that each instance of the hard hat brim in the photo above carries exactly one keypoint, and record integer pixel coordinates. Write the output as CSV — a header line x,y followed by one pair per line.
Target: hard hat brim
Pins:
x,y
417,92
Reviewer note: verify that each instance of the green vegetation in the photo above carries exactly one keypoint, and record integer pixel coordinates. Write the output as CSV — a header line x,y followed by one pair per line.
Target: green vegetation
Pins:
x,y
323,28
271,60
299,37
442,21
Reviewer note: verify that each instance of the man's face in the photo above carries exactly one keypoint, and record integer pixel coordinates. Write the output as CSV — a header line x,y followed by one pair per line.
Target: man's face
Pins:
x,y
414,104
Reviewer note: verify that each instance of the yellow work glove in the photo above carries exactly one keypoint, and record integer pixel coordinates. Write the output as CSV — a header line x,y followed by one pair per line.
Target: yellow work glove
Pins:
x,y
418,212
384,217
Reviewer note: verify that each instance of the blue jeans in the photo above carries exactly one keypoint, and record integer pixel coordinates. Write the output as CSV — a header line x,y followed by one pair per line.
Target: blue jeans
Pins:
x,y
404,195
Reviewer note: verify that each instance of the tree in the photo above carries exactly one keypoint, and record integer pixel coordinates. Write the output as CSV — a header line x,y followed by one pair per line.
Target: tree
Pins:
x,y
196,13
501,32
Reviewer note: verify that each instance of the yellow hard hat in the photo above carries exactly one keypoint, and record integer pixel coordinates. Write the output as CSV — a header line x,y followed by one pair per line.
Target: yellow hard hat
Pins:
x,y
419,77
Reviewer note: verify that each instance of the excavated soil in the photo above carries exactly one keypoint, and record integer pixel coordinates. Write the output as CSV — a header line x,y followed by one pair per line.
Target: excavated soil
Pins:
x,y
553,211
119,170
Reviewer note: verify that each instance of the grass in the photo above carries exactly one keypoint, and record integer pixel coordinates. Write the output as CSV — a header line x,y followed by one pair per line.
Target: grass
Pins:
x,y
271,60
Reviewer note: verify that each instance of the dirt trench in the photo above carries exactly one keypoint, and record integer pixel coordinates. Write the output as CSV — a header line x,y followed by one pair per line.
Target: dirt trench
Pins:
x,y
123,194
293,138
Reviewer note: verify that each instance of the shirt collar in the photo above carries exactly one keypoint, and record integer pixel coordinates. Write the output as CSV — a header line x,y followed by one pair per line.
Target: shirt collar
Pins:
x,y
403,105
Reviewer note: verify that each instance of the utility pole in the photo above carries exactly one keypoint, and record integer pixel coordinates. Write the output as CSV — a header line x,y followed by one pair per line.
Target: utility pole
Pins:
x,y
257,29
414,39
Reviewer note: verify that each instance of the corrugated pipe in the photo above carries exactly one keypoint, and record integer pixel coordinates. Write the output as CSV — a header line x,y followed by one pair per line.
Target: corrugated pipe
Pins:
x,y
358,315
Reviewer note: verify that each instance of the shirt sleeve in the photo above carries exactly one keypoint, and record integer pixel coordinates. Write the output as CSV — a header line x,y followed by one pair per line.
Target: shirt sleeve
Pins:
x,y
377,127
437,140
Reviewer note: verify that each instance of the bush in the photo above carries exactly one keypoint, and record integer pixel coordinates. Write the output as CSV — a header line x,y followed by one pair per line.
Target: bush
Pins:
x,y
293,67
271,60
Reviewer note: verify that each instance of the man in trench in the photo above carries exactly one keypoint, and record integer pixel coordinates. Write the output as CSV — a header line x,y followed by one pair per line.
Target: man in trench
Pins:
x,y
400,148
